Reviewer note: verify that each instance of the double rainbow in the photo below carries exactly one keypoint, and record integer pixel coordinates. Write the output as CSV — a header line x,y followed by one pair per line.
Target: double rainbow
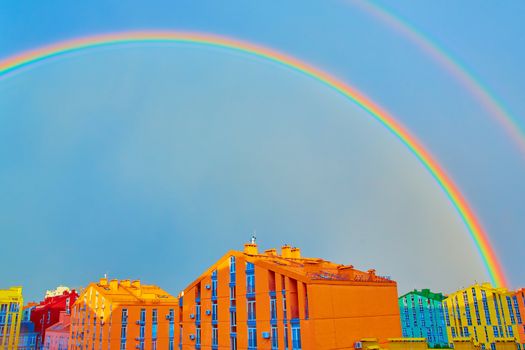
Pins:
x,y
474,228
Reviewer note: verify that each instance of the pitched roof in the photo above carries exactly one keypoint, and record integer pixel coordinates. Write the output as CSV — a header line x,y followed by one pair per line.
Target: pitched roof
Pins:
x,y
308,270
426,293
126,291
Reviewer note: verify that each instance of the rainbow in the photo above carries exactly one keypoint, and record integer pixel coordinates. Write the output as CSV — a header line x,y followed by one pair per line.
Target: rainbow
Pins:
x,y
474,228
481,93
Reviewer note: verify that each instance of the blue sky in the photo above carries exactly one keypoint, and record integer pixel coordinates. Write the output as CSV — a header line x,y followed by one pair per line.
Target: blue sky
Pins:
x,y
152,161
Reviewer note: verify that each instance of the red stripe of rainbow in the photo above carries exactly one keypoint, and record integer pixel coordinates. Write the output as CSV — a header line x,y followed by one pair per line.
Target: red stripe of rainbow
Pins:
x,y
474,227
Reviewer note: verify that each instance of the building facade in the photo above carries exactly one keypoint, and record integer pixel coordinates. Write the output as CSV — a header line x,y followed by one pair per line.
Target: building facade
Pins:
x,y
57,336
252,300
47,312
482,313
123,315
11,302
422,316
518,300
28,339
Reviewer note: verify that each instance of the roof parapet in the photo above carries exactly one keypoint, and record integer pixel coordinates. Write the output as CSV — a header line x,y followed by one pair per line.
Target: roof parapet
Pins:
x,y
271,252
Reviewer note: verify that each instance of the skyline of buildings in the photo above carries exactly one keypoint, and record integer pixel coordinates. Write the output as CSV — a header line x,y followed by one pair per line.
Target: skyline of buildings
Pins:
x,y
268,300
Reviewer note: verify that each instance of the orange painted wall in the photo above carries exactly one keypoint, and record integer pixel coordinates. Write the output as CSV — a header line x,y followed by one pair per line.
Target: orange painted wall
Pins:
x,y
342,315
87,308
339,313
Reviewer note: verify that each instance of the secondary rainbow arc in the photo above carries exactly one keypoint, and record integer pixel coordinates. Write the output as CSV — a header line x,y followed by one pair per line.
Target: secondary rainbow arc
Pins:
x,y
474,227
510,124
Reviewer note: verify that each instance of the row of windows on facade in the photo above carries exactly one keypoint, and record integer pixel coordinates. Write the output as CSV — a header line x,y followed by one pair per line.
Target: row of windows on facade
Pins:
x,y
251,312
251,316
512,307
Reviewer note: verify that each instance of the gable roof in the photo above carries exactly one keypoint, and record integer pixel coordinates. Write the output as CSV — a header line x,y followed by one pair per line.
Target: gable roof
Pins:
x,y
307,270
426,293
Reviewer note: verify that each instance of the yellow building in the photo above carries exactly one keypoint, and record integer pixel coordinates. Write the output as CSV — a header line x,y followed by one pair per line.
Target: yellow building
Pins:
x,y
11,302
481,313
407,344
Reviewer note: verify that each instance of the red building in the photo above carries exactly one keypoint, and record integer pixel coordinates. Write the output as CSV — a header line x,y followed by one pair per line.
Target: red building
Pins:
x,y
47,312
57,336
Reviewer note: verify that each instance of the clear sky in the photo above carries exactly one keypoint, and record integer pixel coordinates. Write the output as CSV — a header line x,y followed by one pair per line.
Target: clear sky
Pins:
x,y
151,161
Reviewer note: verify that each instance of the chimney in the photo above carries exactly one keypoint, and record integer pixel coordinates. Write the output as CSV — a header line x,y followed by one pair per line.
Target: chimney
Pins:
x,y
286,251
251,249
125,283
136,284
295,253
271,252
103,282
113,284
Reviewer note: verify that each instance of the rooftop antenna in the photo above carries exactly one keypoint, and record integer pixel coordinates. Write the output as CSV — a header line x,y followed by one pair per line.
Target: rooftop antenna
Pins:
x,y
254,237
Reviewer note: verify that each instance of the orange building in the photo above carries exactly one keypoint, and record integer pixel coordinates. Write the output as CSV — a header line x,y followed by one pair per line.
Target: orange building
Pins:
x,y
252,300
518,299
123,315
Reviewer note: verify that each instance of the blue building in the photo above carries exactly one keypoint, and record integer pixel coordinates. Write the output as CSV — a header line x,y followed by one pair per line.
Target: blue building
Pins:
x,y
28,339
422,317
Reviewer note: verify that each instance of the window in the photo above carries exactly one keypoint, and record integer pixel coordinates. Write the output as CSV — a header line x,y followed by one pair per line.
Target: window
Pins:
x,y
284,307
275,339
171,328
250,284
496,306
214,312
485,307
215,337
232,264
233,322
233,293
447,316
252,338
233,342
496,333
250,278
123,330
154,325
476,306
251,310
198,337
124,315
517,309
296,337
467,308
273,308
142,330
466,332
286,337
214,284
511,310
